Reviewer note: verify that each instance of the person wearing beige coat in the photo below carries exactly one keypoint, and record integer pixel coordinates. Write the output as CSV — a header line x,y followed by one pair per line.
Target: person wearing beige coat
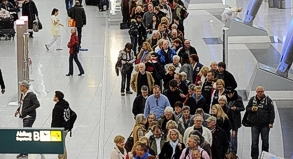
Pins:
x,y
119,152
141,78
55,30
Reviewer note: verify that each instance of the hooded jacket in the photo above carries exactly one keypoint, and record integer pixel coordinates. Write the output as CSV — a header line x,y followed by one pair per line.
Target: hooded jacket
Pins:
x,y
60,115
236,101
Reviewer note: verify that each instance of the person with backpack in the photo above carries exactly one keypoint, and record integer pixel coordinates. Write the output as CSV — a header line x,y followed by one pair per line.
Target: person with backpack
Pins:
x,y
73,46
61,117
193,144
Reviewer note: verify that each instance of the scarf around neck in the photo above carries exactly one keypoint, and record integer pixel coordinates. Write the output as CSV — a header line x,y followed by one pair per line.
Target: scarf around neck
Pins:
x,y
173,145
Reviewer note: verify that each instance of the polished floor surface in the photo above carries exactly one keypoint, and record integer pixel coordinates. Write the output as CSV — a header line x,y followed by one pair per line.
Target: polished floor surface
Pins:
x,y
102,112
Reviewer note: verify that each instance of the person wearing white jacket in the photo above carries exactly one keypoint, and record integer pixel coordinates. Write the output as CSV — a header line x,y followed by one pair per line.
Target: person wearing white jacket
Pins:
x,y
55,30
119,152
206,133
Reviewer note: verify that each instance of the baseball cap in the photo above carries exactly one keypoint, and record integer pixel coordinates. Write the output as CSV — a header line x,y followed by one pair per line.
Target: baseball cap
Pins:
x,y
24,83
211,118
229,90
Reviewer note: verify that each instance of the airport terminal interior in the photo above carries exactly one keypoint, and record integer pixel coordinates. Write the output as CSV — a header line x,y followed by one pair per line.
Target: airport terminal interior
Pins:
x,y
95,96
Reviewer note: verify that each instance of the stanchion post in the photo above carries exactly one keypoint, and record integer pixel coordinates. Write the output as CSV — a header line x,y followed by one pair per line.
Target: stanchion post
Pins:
x,y
225,45
20,29
26,58
25,19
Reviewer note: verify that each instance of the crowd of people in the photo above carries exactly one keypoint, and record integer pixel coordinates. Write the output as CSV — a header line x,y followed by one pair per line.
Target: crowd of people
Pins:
x,y
183,108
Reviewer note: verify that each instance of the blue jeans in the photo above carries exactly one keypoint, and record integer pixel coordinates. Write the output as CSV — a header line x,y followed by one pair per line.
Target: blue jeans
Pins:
x,y
28,122
264,132
234,143
134,43
75,58
68,4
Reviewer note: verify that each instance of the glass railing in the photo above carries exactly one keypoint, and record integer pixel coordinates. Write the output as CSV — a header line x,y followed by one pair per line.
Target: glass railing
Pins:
x,y
273,70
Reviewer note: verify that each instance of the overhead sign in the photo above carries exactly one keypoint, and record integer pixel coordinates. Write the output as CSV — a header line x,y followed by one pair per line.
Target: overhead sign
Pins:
x,y
31,140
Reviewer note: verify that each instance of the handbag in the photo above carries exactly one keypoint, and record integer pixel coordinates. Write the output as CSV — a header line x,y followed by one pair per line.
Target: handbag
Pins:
x,y
245,120
127,68
157,75
71,21
129,143
35,26
40,24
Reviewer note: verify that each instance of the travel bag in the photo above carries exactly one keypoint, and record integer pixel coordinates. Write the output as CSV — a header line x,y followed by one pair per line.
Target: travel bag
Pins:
x,y
92,2
124,26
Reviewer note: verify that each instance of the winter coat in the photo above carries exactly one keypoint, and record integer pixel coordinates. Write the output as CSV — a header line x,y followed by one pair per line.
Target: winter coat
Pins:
x,y
73,41
123,57
191,73
228,79
29,9
173,97
60,115
220,142
191,49
167,151
116,154
236,101
29,105
206,133
78,14
166,57
134,81
138,105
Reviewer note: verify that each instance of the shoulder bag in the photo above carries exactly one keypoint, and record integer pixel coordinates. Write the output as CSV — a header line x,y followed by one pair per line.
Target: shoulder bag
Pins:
x,y
129,143
245,120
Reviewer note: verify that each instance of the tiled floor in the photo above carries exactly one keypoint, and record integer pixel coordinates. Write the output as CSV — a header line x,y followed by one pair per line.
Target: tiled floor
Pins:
x,y
98,89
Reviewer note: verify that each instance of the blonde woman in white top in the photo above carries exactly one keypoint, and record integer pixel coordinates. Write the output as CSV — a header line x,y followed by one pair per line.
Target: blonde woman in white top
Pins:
x,y
55,30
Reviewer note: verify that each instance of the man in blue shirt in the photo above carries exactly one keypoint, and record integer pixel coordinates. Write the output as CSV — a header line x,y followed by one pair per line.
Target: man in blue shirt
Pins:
x,y
156,103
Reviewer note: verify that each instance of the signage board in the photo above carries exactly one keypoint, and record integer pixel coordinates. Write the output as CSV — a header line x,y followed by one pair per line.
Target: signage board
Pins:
x,y
32,140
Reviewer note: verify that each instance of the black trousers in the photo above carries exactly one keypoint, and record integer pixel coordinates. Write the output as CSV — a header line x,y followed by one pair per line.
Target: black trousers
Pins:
x,y
126,16
79,32
75,58
125,79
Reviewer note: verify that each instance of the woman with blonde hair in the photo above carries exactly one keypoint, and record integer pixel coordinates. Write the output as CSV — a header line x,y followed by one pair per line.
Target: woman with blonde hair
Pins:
x,y
139,129
132,153
230,13
119,152
173,147
145,53
138,11
219,91
201,76
165,21
222,119
171,124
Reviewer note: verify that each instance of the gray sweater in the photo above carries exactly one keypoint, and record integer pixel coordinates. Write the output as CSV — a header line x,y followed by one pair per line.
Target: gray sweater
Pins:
x,y
147,19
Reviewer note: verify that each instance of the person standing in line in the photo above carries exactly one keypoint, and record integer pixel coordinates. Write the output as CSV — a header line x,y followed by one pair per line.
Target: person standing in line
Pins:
x,y
78,14
60,117
2,83
127,58
73,55
30,10
27,109
55,30
261,115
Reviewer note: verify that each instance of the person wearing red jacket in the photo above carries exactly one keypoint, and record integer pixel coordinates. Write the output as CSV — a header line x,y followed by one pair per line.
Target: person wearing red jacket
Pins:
x,y
73,55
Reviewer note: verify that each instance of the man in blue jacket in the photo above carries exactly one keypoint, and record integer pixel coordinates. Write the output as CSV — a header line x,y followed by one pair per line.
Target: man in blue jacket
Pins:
x,y
166,54
142,151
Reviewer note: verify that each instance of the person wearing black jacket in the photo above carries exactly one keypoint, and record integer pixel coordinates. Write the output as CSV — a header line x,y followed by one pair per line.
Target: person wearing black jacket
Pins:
x,y
196,101
173,143
30,10
27,109
159,13
155,68
189,50
60,117
220,143
207,90
2,83
261,115
223,74
139,101
141,32
235,104
78,14
173,93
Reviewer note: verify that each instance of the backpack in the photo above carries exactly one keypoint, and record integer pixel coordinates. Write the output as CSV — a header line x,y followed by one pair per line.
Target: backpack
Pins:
x,y
187,152
72,120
